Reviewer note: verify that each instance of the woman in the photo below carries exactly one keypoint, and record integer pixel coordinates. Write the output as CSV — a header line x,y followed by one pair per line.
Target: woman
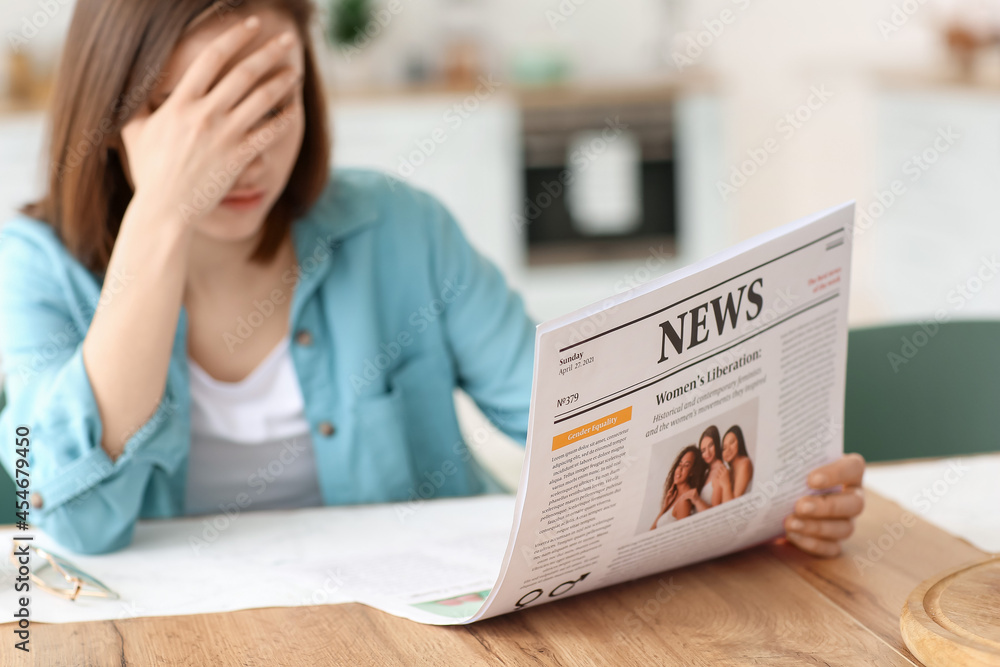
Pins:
x,y
734,453
717,488
682,483
194,267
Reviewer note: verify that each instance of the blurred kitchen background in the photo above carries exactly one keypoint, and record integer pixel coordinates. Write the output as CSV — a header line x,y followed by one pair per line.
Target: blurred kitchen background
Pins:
x,y
589,145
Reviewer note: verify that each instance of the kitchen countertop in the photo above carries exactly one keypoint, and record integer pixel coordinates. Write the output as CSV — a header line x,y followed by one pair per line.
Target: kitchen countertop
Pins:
x,y
939,79
661,89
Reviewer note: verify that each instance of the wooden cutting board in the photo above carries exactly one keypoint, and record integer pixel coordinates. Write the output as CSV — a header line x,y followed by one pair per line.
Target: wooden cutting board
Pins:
x,y
953,618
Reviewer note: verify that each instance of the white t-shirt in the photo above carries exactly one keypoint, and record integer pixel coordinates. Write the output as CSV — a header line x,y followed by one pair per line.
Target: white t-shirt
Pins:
x,y
250,441
706,493
667,518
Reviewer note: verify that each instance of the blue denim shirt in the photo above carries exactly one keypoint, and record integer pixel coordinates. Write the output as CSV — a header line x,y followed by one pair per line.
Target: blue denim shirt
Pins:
x,y
392,310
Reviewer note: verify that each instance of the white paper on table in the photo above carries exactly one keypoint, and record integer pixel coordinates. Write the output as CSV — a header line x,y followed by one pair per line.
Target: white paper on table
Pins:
x,y
400,553
959,495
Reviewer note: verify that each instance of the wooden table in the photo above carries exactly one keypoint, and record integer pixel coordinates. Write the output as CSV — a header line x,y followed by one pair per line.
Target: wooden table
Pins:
x,y
772,605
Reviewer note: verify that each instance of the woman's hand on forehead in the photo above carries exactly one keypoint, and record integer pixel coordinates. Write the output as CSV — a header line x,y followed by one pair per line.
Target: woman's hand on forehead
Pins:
x,y
219,116
235,60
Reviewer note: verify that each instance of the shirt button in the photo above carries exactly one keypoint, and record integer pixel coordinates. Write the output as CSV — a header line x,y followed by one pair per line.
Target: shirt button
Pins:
x,y
36,500
303,338
326,428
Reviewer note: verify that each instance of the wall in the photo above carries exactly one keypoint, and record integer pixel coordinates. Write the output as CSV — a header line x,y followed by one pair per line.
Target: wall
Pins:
x,y
36,25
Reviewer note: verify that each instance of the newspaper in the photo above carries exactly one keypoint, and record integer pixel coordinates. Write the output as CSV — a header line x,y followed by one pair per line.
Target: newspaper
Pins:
x,y
677,422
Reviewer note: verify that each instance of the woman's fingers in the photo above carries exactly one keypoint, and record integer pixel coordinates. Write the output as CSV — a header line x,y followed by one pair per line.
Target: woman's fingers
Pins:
x,y
824,529
264,99
845,504
209,64
820,522
814,546
259,139
241,79
847,471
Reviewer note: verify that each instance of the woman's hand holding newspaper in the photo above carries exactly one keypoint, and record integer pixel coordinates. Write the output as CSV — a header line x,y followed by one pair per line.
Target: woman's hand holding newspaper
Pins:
x,y
820,522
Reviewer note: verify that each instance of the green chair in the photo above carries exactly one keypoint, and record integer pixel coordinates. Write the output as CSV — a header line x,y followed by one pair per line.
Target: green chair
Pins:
x,y
7,487
918,391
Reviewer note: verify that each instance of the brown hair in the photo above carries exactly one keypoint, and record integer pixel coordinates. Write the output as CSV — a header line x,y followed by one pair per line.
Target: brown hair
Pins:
x,y
712,433
695,478
112,61
741,443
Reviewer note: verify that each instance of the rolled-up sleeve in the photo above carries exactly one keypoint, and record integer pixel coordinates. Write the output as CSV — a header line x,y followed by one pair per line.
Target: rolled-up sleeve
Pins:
x,y
87,502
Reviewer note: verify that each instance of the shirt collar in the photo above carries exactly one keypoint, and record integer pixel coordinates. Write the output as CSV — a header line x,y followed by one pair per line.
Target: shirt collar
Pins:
x,y
343,208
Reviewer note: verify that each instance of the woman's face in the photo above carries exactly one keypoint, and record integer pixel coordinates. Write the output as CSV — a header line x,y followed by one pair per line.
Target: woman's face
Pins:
x,y
730,445
683,470
268,171
707,449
